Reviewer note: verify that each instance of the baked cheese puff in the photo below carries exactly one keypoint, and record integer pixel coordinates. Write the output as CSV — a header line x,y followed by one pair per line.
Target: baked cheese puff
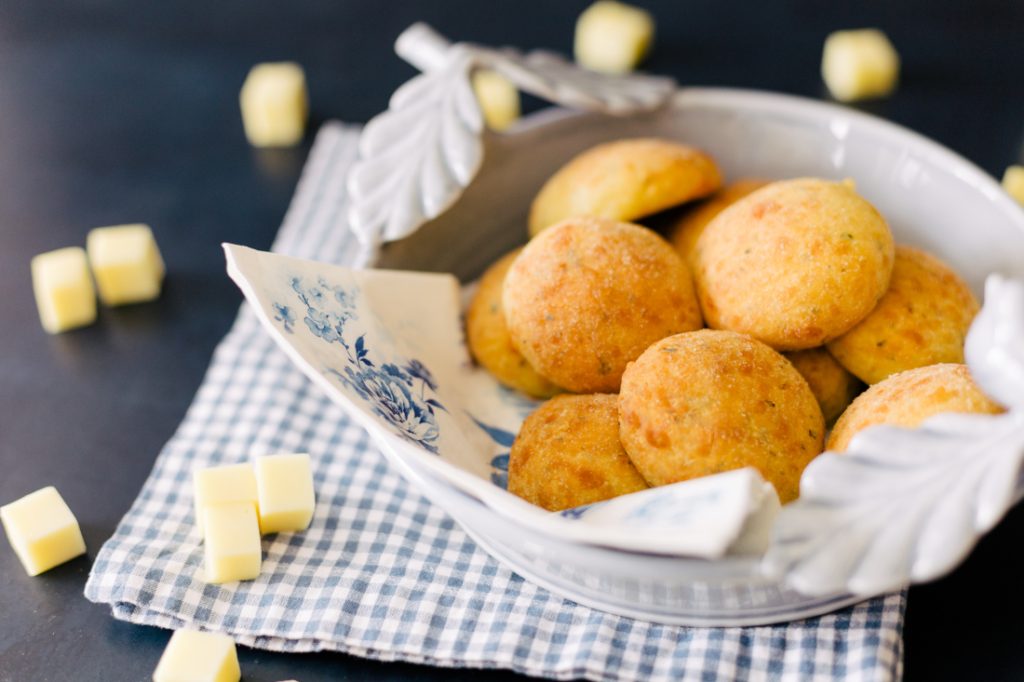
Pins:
x,y
795,264
625,180
833,387
910,397
568,453
709,401
922,320
489,340
690,226
589,294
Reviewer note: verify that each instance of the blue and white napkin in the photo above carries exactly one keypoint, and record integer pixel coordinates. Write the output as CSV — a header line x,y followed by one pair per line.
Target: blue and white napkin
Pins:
x,y
381,573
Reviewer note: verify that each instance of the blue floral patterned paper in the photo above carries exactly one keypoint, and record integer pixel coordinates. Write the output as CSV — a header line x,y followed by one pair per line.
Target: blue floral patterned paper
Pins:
x,y
397,392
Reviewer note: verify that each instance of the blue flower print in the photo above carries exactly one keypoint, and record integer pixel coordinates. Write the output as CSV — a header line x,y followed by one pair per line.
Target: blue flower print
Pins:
x,y
396,372
344,298
285,316
575,512
416,369
395,403
322,325
329,325
395,391
316,296
499,463
499,475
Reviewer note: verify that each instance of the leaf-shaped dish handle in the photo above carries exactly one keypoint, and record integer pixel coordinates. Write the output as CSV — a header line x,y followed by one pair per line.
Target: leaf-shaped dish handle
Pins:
x,y
417,157
995,346
907,505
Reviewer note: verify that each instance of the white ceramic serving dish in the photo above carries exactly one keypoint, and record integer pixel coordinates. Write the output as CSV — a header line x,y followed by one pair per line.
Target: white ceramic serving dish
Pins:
x,y
904,505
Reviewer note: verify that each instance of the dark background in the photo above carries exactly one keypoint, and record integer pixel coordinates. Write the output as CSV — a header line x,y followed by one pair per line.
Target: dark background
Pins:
x,y
115,112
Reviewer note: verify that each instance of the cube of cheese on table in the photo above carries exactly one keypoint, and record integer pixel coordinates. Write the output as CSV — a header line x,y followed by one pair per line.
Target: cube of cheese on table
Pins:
x,y
63,288
1013,183
498,98
126,263
231,535
284,485
274,104
42,530
859,65
613,37
194,656
227,483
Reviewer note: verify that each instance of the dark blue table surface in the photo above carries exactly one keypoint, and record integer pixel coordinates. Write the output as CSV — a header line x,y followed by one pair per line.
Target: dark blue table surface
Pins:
x,y
115,111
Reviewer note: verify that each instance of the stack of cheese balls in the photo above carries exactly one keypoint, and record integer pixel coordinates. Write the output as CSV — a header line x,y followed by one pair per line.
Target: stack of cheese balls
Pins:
x,y
804,294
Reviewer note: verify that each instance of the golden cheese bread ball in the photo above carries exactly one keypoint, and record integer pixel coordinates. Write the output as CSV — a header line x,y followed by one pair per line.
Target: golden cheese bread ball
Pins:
x,y
690,226
908,398
710,401
589,294
833,387
568,454
625,180
922,320
795,264
489,340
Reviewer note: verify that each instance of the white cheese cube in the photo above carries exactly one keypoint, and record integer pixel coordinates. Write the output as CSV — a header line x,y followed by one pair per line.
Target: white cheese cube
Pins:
x,y
227,483
284,485
499,99
1013,183
859,65
274,104
232,549
42,530
126,263
613,37
64,291
194,656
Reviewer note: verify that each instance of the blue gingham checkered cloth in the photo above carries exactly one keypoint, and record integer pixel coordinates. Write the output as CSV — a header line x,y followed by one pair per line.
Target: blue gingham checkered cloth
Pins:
x,y
381,572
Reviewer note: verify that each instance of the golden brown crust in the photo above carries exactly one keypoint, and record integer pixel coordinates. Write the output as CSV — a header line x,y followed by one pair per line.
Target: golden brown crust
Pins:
x,y
795,264
690,226
831,384
922,320
625,180
710,401
568,453
908,398
588,295
489,340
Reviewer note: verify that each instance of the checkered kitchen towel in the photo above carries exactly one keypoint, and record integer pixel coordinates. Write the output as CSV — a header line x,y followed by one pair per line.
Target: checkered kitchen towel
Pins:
x,y
381,572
